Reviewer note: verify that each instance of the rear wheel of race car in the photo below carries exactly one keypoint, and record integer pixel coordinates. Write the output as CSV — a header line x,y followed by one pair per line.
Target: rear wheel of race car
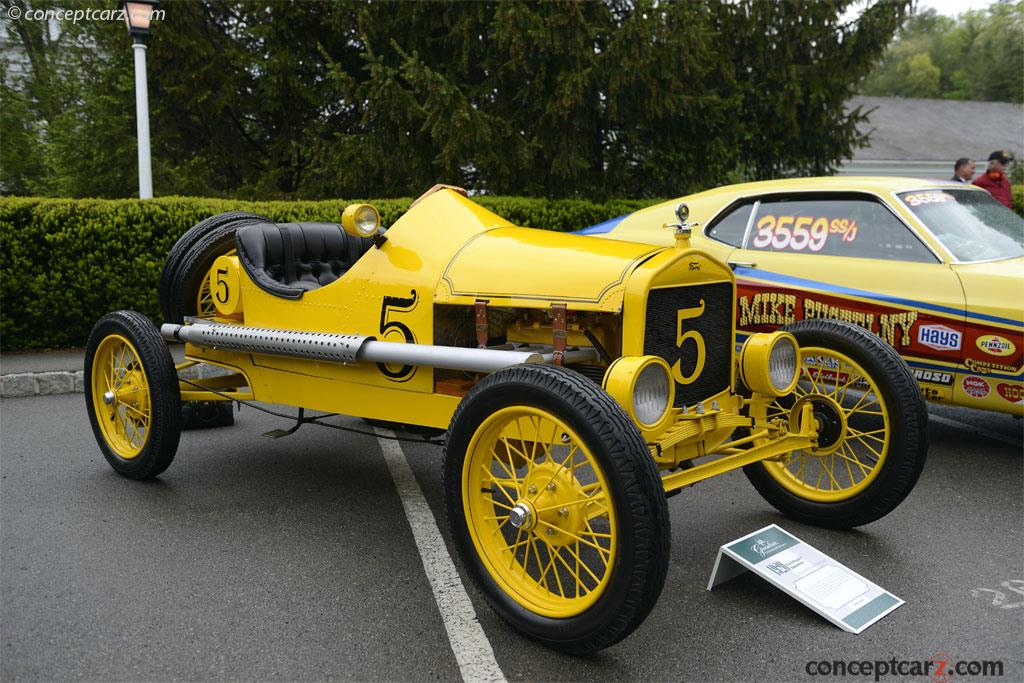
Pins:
x,y
132,395
871,421
184,284
556,507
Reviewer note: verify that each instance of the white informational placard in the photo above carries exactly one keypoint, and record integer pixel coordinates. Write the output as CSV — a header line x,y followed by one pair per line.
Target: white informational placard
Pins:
x,y
837,593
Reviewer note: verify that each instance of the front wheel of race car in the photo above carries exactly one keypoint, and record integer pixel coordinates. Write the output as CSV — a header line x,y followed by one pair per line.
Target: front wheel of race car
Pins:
x,y
132,395
556,507
871,421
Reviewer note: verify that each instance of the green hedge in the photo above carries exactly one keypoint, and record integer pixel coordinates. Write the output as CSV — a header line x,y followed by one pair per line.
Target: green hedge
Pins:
x,y
66,262
1018,200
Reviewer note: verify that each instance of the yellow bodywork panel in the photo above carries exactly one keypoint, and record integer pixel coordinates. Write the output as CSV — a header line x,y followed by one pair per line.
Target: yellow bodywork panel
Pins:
x,y
527,268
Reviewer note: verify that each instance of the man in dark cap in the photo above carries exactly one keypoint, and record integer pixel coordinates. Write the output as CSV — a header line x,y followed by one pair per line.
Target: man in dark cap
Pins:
x,y
995,179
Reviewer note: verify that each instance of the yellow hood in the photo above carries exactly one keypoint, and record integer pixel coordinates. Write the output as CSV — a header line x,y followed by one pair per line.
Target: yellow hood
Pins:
x,y
530,268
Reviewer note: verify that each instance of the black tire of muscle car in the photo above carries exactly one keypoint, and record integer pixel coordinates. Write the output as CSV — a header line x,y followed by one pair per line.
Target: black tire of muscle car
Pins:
x,y
643,534
191,257
164,397
908,418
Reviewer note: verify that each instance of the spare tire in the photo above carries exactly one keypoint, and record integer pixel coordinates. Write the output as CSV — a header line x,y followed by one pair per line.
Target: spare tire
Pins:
x,y
192,256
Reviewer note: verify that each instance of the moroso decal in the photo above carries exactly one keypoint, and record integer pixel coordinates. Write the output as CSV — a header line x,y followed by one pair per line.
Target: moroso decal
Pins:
x,y
975,387
1014,393
939,337
994,345
934,376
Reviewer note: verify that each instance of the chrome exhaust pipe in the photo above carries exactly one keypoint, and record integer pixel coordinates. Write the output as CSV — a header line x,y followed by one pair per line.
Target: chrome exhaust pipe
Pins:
x,y
343,348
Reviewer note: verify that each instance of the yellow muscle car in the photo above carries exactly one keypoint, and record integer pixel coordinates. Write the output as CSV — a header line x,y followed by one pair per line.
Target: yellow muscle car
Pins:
x,y
936,269
578,382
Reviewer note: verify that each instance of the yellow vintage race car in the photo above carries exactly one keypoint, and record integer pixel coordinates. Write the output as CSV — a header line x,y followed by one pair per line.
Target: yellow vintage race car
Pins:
x,y
578,382
936,269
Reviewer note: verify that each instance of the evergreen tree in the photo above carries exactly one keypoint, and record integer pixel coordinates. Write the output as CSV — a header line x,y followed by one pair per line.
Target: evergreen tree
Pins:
x,y
369,99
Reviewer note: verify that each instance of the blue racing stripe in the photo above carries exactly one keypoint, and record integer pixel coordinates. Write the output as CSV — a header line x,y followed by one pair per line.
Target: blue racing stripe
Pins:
x,y
836,289
601,228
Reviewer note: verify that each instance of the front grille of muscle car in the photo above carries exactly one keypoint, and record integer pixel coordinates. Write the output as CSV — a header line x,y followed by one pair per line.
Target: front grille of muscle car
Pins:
x,y
714,324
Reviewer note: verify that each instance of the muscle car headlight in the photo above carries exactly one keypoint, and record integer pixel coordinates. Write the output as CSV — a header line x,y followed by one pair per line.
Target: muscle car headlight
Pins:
x,y
643,386
360,220
769,363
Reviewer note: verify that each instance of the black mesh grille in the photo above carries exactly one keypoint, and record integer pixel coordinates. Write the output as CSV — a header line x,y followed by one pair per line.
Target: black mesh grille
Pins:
x,y
714,323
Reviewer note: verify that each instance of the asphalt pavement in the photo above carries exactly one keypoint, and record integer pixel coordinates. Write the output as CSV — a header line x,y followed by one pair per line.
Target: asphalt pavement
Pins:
x,y
293,559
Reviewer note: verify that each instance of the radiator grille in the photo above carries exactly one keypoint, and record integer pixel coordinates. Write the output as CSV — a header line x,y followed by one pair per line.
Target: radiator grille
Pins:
x,y
707,309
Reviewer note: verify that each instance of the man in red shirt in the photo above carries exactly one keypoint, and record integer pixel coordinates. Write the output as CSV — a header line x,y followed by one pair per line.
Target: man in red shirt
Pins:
x,y
995,180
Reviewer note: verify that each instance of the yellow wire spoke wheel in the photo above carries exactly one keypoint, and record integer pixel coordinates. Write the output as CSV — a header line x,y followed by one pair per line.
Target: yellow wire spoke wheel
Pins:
x,y
120,395
852,420
544,526
871,421
555,507
132,395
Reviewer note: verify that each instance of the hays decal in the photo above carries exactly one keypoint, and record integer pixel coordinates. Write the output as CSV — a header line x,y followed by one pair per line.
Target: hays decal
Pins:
x,y
939,337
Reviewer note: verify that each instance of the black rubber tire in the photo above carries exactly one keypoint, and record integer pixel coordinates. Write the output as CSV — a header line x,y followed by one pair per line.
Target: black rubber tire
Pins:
x,y
164,395
635,489
192,255
908,418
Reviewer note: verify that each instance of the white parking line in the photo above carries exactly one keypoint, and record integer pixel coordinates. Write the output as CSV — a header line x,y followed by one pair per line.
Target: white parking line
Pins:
x,y
472,650
980,431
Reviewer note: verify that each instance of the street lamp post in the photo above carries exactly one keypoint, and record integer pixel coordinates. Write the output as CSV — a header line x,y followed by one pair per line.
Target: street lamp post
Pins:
x,y
138,14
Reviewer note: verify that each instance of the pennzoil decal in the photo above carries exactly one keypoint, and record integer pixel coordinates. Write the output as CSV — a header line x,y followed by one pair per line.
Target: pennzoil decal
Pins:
x,y
1014,393
994,345
939,337
975,387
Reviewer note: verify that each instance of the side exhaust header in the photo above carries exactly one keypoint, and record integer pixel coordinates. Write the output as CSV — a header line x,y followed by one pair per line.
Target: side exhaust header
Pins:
x,y
343,348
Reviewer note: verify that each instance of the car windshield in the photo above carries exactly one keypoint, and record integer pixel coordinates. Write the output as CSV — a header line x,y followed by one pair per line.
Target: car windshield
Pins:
x,y
972,225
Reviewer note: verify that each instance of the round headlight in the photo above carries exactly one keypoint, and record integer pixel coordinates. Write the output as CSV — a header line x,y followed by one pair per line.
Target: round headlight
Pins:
x,y
643,386
782,364
360,220
770,363
650,394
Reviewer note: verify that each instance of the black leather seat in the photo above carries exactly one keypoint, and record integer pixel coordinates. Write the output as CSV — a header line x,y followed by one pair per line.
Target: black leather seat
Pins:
x,y
288,259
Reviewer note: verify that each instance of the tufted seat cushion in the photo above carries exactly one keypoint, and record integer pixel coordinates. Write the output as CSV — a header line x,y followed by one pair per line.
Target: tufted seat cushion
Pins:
x,y
288,259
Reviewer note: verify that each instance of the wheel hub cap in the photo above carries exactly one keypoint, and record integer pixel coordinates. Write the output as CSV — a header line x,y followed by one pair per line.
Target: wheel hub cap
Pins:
x,y
829,420
520,516
108,397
